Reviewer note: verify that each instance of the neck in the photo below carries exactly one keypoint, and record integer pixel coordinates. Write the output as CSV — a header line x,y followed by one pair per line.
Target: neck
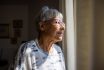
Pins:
x,y
45,43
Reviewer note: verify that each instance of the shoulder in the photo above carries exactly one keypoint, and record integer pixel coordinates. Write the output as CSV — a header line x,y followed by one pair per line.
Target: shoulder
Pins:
x,y
27,46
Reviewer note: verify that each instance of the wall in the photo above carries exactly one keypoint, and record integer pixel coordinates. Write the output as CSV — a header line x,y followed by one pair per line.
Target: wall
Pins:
x,y
84,23
26,10
99,35
8,13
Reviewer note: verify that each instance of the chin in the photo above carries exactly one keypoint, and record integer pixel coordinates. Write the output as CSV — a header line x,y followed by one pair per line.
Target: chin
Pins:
x,y
59,39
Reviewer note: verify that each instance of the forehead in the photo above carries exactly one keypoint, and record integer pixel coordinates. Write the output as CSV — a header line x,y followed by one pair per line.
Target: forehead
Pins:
x,y
58,18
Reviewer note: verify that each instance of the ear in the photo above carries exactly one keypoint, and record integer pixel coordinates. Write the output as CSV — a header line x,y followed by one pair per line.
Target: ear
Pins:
x,y
42,26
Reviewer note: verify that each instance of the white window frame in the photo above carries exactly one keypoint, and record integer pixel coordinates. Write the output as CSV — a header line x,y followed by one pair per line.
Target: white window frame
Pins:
x,y
69,43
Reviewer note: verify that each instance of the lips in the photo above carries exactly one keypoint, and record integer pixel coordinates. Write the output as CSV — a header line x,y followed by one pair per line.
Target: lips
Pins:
x,y
60,33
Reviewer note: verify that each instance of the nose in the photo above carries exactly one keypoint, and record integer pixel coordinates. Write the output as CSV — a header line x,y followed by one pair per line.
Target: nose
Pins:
x,y
62,26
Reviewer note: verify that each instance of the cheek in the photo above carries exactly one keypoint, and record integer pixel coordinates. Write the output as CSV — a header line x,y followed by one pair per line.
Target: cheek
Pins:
x,y
52,30
55,28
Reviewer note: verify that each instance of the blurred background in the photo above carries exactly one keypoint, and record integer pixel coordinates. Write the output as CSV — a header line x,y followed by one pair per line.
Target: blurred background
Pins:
x,y
17,25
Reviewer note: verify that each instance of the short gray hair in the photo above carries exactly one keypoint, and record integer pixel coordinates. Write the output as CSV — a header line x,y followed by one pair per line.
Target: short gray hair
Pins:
x,y
47,14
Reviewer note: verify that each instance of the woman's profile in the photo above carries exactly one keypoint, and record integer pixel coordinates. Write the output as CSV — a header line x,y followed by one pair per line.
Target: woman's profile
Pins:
x,y
42,53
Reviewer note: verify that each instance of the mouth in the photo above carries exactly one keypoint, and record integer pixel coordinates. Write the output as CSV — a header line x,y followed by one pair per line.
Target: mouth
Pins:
x,y
60,33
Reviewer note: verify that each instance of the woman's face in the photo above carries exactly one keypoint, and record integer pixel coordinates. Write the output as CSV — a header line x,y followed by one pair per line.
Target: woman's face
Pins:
x,y
54,29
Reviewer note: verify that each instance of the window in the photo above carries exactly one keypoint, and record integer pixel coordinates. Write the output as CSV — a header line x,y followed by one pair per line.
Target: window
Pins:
x,y
66,6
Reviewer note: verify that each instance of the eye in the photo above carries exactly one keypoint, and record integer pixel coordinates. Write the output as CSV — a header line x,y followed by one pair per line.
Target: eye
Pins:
x,y
56,22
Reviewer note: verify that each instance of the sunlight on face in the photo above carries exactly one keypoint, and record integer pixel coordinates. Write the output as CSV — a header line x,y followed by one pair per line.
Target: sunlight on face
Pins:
x,y
55,29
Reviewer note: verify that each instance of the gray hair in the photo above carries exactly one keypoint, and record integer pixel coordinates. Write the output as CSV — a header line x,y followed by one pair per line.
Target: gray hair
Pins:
x,y
47,14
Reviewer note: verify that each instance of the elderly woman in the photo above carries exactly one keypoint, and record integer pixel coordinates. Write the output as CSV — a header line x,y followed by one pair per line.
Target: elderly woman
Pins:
x,y
42,53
